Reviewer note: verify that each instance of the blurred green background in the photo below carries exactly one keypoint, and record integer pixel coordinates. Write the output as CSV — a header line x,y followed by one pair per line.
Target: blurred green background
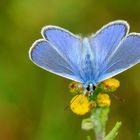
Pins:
x,y
32,101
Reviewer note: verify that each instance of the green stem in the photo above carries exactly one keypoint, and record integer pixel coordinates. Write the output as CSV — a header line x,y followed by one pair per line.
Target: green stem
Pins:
x,y
99,117
97,122
88,138
100,135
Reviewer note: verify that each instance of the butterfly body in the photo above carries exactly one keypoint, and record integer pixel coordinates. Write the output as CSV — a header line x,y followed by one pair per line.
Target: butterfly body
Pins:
x,y
90,88
89,60
86,64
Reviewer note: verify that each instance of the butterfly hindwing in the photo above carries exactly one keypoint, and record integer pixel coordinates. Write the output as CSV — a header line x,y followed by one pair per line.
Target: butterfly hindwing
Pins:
x,y
125,56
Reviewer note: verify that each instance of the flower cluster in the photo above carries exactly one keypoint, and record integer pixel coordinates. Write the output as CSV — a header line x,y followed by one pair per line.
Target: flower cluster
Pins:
x,y
83,103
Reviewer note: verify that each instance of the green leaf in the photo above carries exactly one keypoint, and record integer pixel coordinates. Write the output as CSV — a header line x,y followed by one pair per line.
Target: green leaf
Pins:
x,y
114,132
87,124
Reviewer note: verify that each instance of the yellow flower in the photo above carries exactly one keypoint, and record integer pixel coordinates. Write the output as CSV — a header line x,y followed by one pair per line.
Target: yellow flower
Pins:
x,y
103,100
76,88
110,85
80,104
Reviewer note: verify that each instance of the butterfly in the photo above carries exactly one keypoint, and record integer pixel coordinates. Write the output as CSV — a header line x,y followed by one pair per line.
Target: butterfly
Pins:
x,y
88,60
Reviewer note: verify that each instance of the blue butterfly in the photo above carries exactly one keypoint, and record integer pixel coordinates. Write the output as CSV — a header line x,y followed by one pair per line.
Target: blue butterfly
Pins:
x,y
89,60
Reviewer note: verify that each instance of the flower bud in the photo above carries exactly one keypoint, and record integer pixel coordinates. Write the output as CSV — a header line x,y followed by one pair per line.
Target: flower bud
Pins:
x,y
109,85
103,100
92,104
76,88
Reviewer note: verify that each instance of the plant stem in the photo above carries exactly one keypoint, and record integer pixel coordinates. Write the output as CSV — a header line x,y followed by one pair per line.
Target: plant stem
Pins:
x,y
99,117
97,122
88,138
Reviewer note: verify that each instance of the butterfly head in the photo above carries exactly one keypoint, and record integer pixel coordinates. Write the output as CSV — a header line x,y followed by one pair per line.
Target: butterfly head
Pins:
x,y
90,88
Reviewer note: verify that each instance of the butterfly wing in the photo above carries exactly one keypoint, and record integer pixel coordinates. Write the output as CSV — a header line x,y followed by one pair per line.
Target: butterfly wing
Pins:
x,y
66,43
104,43
125,56
58,52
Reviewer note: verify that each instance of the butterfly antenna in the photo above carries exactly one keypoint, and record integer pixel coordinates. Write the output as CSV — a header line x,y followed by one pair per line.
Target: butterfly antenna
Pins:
x,y
67,106
118,98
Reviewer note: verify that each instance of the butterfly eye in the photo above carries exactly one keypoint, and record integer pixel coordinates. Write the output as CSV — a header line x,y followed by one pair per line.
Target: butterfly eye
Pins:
x,y
94,87
88,88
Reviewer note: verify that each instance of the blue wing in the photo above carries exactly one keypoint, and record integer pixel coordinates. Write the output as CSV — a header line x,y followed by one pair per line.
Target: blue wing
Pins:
x,y
104,43
66,43
95,59
58,53
125,56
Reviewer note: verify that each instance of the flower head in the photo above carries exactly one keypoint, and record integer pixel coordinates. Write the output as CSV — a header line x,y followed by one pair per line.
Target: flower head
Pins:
x,y
80,104
103,100
109,85
76,88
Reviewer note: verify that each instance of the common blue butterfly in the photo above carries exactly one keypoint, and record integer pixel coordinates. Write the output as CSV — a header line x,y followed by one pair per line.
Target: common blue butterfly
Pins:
x,y
89,60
